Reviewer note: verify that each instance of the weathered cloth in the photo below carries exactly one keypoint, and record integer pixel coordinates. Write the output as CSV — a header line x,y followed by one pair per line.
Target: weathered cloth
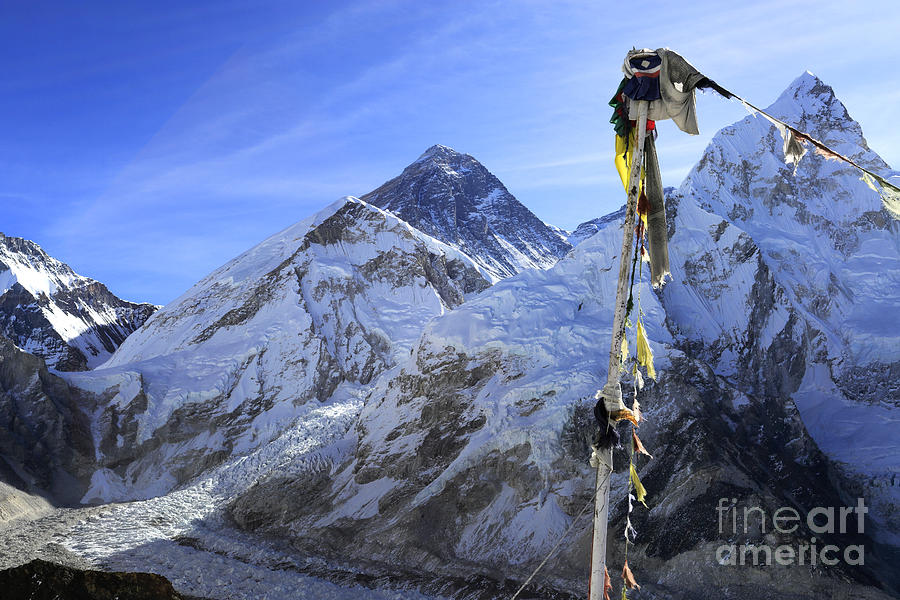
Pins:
x,y
677,81
623,154
619,118
657,234
793,149
643,82
627,68
649,186
606,435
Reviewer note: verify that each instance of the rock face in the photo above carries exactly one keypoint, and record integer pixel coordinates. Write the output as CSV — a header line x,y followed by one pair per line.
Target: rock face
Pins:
x,y
16,504
452,197
45,437
47,309
306,319
39,580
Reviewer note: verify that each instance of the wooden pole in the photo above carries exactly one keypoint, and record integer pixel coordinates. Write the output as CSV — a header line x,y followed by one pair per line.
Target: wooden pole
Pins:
x,y
601,517
612,391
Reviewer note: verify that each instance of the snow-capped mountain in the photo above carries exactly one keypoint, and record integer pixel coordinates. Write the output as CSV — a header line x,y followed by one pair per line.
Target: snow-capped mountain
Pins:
x,y
71,321
454,198
307,318
471,453
318,390
833,251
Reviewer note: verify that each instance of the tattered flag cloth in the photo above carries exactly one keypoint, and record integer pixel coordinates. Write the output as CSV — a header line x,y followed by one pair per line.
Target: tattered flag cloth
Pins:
x,y
628,576
622,158
637,445
642,70
639,492
890,195
793,149
620,121
677,81
655,217
607,584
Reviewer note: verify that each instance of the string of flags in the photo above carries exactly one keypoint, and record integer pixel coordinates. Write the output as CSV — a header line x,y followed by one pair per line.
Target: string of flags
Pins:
x,y
668,82
795,148
643,357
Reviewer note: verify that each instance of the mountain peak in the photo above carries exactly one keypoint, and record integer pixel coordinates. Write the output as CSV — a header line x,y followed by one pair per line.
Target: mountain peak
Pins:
x,y
439,151
49,310
807,86
808,98
25,262
454,198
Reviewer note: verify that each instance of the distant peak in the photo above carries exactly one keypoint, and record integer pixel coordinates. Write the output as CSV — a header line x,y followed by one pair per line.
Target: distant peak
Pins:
x,y
806,87
439,151
808,97
21,245
810,85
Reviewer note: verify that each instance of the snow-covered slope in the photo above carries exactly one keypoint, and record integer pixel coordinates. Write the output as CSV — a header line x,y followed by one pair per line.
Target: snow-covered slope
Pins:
x,y
454,198
471,455
306,318
589,228
47,309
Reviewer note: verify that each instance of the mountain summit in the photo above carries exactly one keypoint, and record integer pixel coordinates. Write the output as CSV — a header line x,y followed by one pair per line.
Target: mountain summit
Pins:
x,y
49,310
454,198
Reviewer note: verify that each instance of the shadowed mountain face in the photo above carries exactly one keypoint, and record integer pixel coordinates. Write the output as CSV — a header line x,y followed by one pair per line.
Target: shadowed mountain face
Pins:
x,y
454,198
72,322
45,436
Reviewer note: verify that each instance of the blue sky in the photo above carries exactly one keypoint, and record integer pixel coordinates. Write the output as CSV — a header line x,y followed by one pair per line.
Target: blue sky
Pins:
x,y
146,144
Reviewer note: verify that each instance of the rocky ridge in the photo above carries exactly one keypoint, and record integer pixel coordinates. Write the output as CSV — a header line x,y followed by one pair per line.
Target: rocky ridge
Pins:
x,y
73,322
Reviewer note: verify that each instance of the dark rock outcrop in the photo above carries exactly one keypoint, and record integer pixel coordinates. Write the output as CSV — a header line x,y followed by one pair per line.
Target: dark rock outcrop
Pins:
x,y
45,437
41,580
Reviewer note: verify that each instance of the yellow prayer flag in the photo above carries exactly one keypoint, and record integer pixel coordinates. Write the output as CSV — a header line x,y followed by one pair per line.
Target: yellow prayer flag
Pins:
x,y
639,492
623,158
644,353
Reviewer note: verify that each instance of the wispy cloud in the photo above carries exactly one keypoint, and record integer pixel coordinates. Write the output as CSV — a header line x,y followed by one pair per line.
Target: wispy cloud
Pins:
x,y
306,104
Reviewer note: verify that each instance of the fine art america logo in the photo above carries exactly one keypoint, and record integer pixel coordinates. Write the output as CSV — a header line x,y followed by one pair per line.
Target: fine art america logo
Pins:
x,y
820,520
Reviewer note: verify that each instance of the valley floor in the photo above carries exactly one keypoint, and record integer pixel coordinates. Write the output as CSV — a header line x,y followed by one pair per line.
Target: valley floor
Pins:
x,y
213,562
185,536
